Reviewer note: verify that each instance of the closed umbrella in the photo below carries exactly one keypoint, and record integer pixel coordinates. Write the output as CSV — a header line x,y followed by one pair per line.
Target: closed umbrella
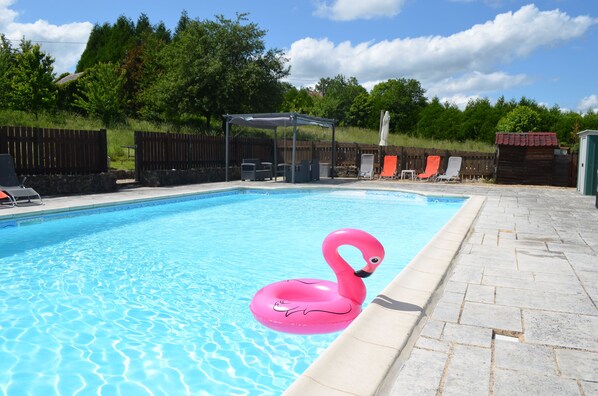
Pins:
x,y
384,129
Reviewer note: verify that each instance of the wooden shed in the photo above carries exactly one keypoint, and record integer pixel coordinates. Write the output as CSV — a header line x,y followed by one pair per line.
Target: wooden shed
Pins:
x,y
525,158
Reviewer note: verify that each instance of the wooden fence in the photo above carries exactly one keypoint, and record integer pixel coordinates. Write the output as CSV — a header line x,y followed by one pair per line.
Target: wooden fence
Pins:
x,y
43,151
156,150
475,164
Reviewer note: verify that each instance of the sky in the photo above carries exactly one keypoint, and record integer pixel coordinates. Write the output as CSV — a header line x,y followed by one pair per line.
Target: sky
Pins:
x,y
546,50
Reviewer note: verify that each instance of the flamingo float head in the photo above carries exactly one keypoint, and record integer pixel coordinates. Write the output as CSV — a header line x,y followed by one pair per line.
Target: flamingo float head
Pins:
x,y
350,284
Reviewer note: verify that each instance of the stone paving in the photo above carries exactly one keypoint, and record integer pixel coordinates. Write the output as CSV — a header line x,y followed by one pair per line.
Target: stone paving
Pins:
x,y
518,315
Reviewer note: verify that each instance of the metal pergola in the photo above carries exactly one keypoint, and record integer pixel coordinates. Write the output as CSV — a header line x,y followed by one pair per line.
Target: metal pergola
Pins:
x,y
273,121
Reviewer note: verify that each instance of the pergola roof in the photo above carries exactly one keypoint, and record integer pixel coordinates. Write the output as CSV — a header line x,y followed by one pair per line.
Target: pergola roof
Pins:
x,y
274,120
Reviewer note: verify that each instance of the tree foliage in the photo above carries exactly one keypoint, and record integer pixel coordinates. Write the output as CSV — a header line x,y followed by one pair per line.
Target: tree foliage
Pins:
x,y
32,86
403,98
7,63
216,67
521,119
102,93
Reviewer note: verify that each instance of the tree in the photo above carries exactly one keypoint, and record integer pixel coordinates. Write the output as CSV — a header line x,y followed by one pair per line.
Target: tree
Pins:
x,y
403,98
336,97
520,119
359,113
217,67
479,121
7,62
32,83
296,100
429,121
102,93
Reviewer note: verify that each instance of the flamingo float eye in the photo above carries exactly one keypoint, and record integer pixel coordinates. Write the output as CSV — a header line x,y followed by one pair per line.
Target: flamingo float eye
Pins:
x,y
375,260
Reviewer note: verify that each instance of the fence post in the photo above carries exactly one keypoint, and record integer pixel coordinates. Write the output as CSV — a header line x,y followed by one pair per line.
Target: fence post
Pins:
x,y
138,142
189,152
103,152
3,140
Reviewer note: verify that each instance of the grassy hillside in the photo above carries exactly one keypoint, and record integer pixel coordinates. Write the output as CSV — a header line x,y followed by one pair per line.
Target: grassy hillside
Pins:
x,y
122,135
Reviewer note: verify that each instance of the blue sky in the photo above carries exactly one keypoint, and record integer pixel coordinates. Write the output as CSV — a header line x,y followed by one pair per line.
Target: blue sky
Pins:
x,y
546,50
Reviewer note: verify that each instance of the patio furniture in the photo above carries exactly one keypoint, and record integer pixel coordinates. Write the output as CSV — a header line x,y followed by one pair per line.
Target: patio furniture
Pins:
x,y
10,185
432,165
389,169
255,170
452,170
302,173
408,173
315,170
366,168
5,199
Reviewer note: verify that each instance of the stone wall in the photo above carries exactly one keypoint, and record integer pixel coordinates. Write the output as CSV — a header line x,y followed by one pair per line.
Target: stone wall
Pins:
x,y
175,177
72,184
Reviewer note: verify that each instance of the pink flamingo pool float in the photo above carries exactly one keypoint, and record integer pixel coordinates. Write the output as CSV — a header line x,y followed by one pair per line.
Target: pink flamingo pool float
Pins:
x,y
312,306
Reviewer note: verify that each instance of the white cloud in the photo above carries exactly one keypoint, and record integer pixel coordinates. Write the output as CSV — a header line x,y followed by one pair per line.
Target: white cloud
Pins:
x,y
476,83
460,101
65,43
466,62
588,103
348,10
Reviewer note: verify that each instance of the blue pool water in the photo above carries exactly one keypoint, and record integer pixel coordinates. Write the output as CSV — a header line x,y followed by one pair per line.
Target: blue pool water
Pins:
x,y
154,299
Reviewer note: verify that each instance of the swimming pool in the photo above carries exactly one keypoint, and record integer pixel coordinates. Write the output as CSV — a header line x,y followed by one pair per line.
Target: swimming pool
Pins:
x,y
154,299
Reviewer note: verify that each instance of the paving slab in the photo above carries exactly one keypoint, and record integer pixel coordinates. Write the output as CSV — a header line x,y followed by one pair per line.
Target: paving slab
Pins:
x,y
480,293
421,374
509,383
524,357
561,329
468,371
546,300
578,364
492,316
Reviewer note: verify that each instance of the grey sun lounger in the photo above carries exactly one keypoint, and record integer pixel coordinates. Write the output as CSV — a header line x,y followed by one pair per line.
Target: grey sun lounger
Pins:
x,y
452,170
9,183
367,166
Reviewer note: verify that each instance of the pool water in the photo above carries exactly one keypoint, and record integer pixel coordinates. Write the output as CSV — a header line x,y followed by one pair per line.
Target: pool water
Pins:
x,y
154,299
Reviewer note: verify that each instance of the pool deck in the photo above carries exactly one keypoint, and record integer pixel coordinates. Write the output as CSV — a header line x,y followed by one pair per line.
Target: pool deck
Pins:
x,y
512,309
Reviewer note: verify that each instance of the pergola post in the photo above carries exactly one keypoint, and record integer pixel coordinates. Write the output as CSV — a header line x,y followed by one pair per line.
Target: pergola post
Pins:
x,y
226,153
294,159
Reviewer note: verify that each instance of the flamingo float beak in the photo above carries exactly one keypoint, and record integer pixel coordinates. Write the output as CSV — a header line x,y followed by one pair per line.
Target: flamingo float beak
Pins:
x,y
362,273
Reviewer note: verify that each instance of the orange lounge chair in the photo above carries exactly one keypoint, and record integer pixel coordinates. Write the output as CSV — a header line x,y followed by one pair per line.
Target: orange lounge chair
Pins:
x,y
4,197
432,165
389,169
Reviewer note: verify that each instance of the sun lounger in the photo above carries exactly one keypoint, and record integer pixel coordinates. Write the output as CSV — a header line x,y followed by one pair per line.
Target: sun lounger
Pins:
x,y
366,168
6,199
10,185
453,170
432,165
389,169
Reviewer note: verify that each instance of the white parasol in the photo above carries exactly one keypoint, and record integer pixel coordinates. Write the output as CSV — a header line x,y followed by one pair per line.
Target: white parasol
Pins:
x,y
384,129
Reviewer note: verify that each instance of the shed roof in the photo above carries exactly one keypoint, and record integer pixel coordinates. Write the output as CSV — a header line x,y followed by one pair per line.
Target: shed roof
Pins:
x,y
527,139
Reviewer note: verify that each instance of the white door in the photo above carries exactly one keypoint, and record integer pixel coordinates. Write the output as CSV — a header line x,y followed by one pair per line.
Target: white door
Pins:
x,y
581,173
